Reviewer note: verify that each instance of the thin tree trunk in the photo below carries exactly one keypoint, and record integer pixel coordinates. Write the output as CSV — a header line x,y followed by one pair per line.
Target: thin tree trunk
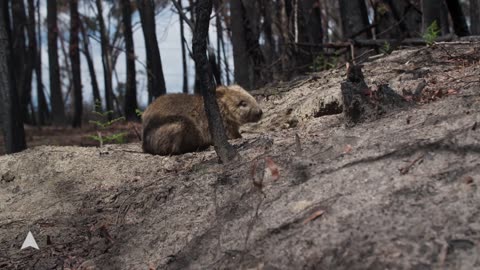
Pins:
x,y
388,23
225,61
475,17
131,86
224,149
354,18
458,18
23,57
56,99
12,127
106,59
32,50
66,71
75,61
193,16
219,28
309,30
435,10
242,64
42,107
156,80
184,54
444,18
97,99
268,32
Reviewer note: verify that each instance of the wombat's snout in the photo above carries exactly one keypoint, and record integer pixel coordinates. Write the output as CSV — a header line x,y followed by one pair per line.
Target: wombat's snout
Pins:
x,y
257,115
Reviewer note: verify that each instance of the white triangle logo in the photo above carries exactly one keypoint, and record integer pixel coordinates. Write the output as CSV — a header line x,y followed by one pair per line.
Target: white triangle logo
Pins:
x,y
29,242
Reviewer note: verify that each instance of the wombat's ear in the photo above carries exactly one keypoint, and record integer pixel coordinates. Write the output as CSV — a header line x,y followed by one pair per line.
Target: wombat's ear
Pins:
x,y
221,91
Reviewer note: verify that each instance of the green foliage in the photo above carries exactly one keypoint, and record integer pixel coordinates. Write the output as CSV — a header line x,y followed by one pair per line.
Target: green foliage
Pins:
x,y
105,123
114,138
386,48
431,34
320,62
138,112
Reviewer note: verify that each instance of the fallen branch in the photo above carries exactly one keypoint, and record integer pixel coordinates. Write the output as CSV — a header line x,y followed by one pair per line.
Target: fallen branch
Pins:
x,y
407,168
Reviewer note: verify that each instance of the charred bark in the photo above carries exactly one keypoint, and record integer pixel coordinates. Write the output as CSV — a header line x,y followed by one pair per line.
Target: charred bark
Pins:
x,y
156,79
23,58
56,99
354,19
434,10
42,108
241,61
184,54
131,86
97,99
458,18
475,17
11,120
224,149
361,103
75,64
106,59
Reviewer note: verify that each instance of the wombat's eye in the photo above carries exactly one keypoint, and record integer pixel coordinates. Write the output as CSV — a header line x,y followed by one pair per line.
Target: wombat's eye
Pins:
x,y
242,103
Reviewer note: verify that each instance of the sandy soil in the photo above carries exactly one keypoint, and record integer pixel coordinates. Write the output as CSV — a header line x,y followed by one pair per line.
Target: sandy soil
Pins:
x,y
398,192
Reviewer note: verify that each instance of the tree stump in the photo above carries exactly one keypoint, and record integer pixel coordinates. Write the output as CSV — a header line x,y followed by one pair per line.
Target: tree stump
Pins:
x,y
362,103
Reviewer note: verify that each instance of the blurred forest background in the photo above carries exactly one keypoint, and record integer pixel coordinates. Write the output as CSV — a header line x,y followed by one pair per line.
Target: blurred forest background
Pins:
x,y
69,58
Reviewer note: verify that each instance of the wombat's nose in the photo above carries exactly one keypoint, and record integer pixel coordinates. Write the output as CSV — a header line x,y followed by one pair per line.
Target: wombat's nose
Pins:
x,y
258,114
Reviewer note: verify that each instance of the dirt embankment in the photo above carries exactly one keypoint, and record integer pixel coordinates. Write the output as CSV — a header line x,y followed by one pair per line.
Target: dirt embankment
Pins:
x,y
400,192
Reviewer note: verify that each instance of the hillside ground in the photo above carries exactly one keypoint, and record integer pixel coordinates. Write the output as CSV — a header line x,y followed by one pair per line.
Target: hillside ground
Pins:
x,y
398,192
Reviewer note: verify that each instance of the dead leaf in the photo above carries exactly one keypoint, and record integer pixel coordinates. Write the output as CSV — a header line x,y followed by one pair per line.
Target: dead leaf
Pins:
x,y
468,180
347,149
272,169
452,92
314,216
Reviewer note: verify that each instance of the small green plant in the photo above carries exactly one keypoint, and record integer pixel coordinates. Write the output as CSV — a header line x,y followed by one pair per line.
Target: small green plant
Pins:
x,y
138,112
105,123
431,34
386,48
320,62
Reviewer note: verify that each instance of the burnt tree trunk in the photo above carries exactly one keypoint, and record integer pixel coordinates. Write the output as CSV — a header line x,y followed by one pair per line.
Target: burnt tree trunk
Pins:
x,y
241,60
310,30
42,108
156,79
131,86
389,23
224,149
475,17
458,18
106,59
354,19
362,103
24,60
435,10
267,28
219,28
184,54
75,60
97,99
247,55
56,99
11,120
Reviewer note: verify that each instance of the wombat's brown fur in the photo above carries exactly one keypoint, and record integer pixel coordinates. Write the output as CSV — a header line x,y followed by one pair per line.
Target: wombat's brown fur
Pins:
x,y
177,123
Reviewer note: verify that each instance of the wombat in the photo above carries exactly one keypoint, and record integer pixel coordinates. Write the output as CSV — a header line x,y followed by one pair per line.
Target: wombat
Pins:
x,y
176,123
